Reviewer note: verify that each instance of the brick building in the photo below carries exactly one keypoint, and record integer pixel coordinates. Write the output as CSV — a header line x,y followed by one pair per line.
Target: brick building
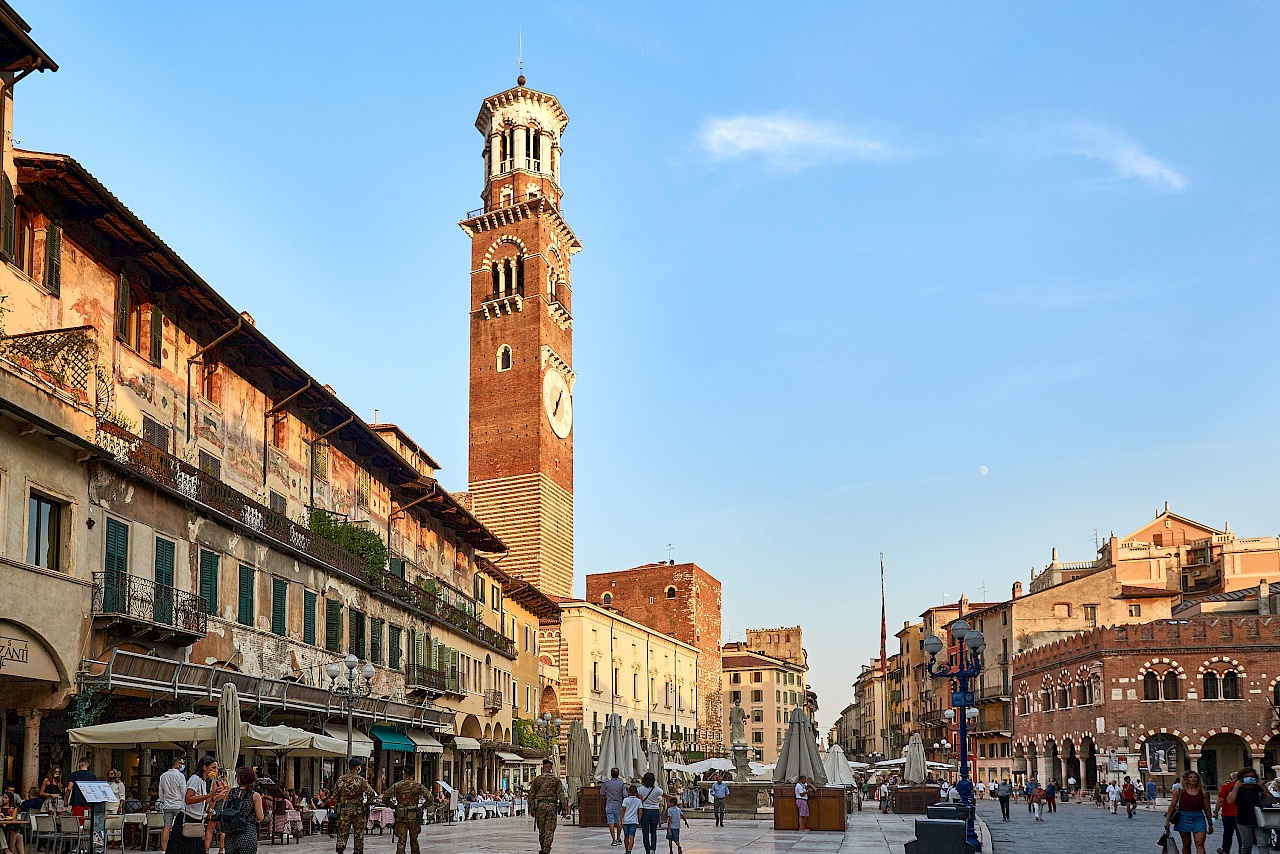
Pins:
x,y
682,600
1151,700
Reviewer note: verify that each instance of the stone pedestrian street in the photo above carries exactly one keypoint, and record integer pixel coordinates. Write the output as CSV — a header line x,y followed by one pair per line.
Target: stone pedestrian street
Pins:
x,y
1077,827
868,833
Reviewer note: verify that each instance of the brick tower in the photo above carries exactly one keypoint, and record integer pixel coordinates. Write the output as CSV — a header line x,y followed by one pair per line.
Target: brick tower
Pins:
x,y
520,468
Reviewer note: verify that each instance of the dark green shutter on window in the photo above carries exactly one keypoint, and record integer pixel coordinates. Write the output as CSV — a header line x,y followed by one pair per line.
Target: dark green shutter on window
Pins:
x,y
356,634
164,582
244,609
393,648
53,258
309,617
332,625
9,216
116,566
157,335
397,567
209,581
375,641
122,308
279,594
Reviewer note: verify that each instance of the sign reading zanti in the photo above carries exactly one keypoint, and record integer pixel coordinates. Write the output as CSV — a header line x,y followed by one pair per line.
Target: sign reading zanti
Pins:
x,y
22,655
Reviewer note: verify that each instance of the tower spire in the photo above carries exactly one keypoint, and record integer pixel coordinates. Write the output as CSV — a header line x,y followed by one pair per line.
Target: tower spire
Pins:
x,y
520,57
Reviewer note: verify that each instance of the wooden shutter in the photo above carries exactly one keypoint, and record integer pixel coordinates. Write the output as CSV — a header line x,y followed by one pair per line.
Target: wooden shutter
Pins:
x,y
209,581
375,641
122,308
434,662
279,599
308,617
244,607
115,567
393,647
397,567
163,606
9,217
157,335
452,681
332,625
53,258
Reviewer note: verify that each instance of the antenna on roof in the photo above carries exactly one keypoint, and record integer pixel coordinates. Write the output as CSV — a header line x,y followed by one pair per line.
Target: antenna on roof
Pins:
x,y
520,56
668,551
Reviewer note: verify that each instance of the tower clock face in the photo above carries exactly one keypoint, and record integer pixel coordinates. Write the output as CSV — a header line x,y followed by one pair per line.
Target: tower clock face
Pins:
x,y
558,402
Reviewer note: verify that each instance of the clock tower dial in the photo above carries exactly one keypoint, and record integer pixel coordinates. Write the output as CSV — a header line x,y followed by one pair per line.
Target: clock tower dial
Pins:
x,y
520,461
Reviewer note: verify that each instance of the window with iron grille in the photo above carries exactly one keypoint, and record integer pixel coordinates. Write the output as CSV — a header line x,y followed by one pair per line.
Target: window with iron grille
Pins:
x,y
210,465
362,489
155,433
279,503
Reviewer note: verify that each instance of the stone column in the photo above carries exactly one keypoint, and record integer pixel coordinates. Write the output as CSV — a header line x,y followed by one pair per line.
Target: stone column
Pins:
x,y
495,154
289,779
31,747
522,152
144,774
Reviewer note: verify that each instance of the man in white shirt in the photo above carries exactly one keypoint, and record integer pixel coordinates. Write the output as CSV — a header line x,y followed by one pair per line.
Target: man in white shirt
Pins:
x,y
981,789
884,796
1113,796
803,788
172,793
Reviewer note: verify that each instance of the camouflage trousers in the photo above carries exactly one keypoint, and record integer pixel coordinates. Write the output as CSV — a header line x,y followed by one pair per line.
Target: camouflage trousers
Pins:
x,y
407,829
544,818
351,817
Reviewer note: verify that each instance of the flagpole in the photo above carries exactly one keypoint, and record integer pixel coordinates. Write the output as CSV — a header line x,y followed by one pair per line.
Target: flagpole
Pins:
x,y
884,665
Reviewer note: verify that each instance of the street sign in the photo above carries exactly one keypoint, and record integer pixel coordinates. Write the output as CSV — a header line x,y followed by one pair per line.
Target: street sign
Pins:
x,y
961,698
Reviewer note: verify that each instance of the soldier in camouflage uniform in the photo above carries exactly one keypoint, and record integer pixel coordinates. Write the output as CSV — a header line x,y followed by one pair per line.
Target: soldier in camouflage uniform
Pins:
x,y
353,794
406,796
546,801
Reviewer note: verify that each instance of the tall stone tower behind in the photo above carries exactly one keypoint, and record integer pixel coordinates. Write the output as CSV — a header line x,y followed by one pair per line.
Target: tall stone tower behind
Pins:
x,y
520,468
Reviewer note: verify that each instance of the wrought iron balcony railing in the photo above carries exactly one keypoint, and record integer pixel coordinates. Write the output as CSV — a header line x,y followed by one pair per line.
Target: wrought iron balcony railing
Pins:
x,y
142,600
421,676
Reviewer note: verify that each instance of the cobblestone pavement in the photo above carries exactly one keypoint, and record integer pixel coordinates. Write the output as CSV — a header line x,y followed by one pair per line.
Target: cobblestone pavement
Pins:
x,y
868,833
1075,827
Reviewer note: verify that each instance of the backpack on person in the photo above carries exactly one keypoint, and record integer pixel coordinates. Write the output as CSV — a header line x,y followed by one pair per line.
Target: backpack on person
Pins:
x,y
234,815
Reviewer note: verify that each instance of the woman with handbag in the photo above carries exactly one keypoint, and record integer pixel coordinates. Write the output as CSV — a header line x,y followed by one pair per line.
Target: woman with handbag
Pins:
x,y
188,834
1189,813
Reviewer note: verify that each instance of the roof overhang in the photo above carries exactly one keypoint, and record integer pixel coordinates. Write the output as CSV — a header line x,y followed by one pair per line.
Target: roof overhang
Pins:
x,y
18,51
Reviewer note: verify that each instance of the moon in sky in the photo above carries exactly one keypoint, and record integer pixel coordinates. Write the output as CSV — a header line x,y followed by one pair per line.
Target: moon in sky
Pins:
x,y
983,470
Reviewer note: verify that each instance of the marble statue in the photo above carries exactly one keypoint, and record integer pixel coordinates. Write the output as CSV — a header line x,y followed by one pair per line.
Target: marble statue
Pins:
x,y
737,725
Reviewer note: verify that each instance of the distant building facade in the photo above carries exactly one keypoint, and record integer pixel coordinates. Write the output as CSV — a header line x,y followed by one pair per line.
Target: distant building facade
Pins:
x,y
767,689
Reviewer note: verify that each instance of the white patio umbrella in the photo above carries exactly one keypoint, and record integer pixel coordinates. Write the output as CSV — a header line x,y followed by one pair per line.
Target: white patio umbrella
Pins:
x,y
186,730
837,767
636,765
655,764
799,756
610,748
715,763
303,744
578,765
228,737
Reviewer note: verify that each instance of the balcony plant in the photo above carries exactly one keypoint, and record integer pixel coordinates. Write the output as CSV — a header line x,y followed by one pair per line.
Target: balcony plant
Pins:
x,y
362,542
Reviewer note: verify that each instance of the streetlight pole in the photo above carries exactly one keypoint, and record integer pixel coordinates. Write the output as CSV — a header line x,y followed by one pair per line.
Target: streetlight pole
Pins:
x,y
359,684
548,728
968,665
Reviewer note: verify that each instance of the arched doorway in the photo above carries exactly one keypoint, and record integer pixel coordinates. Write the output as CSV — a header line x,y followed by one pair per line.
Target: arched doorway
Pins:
x,y
1052,762
1271,753
1019,762
1221,754
1033,761
1070,764
1088,763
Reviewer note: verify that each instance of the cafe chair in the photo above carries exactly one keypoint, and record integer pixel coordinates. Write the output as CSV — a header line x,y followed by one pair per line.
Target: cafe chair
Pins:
x,y
70,833
46,830
154,827
115,830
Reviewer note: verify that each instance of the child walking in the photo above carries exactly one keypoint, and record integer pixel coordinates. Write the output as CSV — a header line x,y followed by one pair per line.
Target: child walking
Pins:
x,y
630,817
673,826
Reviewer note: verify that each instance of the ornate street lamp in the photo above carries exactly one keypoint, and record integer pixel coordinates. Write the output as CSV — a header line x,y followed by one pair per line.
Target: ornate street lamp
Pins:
x,y
548,728
359,684
968,665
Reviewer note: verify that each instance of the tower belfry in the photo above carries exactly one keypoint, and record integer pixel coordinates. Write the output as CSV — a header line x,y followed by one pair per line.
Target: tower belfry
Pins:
x,y
520,468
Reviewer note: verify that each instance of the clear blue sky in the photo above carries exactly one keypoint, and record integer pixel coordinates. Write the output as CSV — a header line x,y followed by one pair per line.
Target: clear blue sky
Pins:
x,y
838,258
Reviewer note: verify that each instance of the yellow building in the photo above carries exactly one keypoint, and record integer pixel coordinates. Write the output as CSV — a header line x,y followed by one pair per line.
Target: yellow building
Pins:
x,y
767,688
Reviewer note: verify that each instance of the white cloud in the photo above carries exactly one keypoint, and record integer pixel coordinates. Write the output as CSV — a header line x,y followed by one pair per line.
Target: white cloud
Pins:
x,y
1125,157
790,141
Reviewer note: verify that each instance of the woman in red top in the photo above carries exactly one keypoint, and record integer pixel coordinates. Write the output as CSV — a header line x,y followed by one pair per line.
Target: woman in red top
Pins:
x,y
1195,818
1227,812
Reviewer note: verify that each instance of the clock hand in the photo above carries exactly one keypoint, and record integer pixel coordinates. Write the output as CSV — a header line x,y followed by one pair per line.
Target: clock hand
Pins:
x,y
559,397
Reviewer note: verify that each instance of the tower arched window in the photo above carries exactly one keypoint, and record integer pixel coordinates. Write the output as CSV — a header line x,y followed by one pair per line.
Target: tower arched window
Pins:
x,y
508,280
608,599
671,593
1150,686
519,266
535,150
1171,685
1211,685
1275,694
497,279
1230,686
504,358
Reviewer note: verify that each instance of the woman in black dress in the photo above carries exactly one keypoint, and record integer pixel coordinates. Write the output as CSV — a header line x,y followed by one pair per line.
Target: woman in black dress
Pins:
x,y
241,836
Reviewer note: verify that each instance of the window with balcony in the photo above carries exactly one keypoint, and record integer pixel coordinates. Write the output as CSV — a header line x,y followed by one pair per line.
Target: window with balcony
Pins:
x,y
44,531
278,503
155,433
210,465
163,606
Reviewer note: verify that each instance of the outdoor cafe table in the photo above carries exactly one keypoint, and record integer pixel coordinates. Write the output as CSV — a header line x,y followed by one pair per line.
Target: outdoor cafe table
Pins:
x,y
381,817
136,821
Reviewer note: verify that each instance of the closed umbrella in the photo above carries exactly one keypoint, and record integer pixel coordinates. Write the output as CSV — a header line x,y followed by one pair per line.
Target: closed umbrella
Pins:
x,y
799,756
634,763
655,763
610,748
229,724
578,765
837,767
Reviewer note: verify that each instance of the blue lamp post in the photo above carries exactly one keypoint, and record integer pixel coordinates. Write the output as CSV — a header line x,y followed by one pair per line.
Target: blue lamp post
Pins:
x,y
968,665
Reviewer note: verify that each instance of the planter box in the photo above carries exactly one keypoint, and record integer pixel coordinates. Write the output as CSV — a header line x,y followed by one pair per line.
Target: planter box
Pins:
x,y
826,809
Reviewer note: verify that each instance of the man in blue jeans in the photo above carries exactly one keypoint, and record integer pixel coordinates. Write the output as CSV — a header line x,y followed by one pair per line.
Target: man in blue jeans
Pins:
x,y
719,791
614,790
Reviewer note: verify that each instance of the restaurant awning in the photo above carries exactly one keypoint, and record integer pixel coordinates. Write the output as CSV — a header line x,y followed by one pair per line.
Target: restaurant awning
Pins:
x,y
339,731
461,742
424,742
510,757
392,739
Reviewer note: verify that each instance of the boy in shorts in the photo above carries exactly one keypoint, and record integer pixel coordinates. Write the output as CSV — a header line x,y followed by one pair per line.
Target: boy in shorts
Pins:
x,y
630,817
673,826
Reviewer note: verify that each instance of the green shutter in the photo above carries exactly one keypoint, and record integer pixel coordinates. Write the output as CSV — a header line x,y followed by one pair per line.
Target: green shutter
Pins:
x,y
157,335
209,581
397,567
9,216
53,258
164,581
434,661
244,608
452,680
122,308
279,597
393,647
375,641
332,625
309,617
355,631
115,567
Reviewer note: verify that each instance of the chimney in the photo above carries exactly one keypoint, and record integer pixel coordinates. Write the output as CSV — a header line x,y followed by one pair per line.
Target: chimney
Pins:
x,y
1017,590
1264,598
1055,555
